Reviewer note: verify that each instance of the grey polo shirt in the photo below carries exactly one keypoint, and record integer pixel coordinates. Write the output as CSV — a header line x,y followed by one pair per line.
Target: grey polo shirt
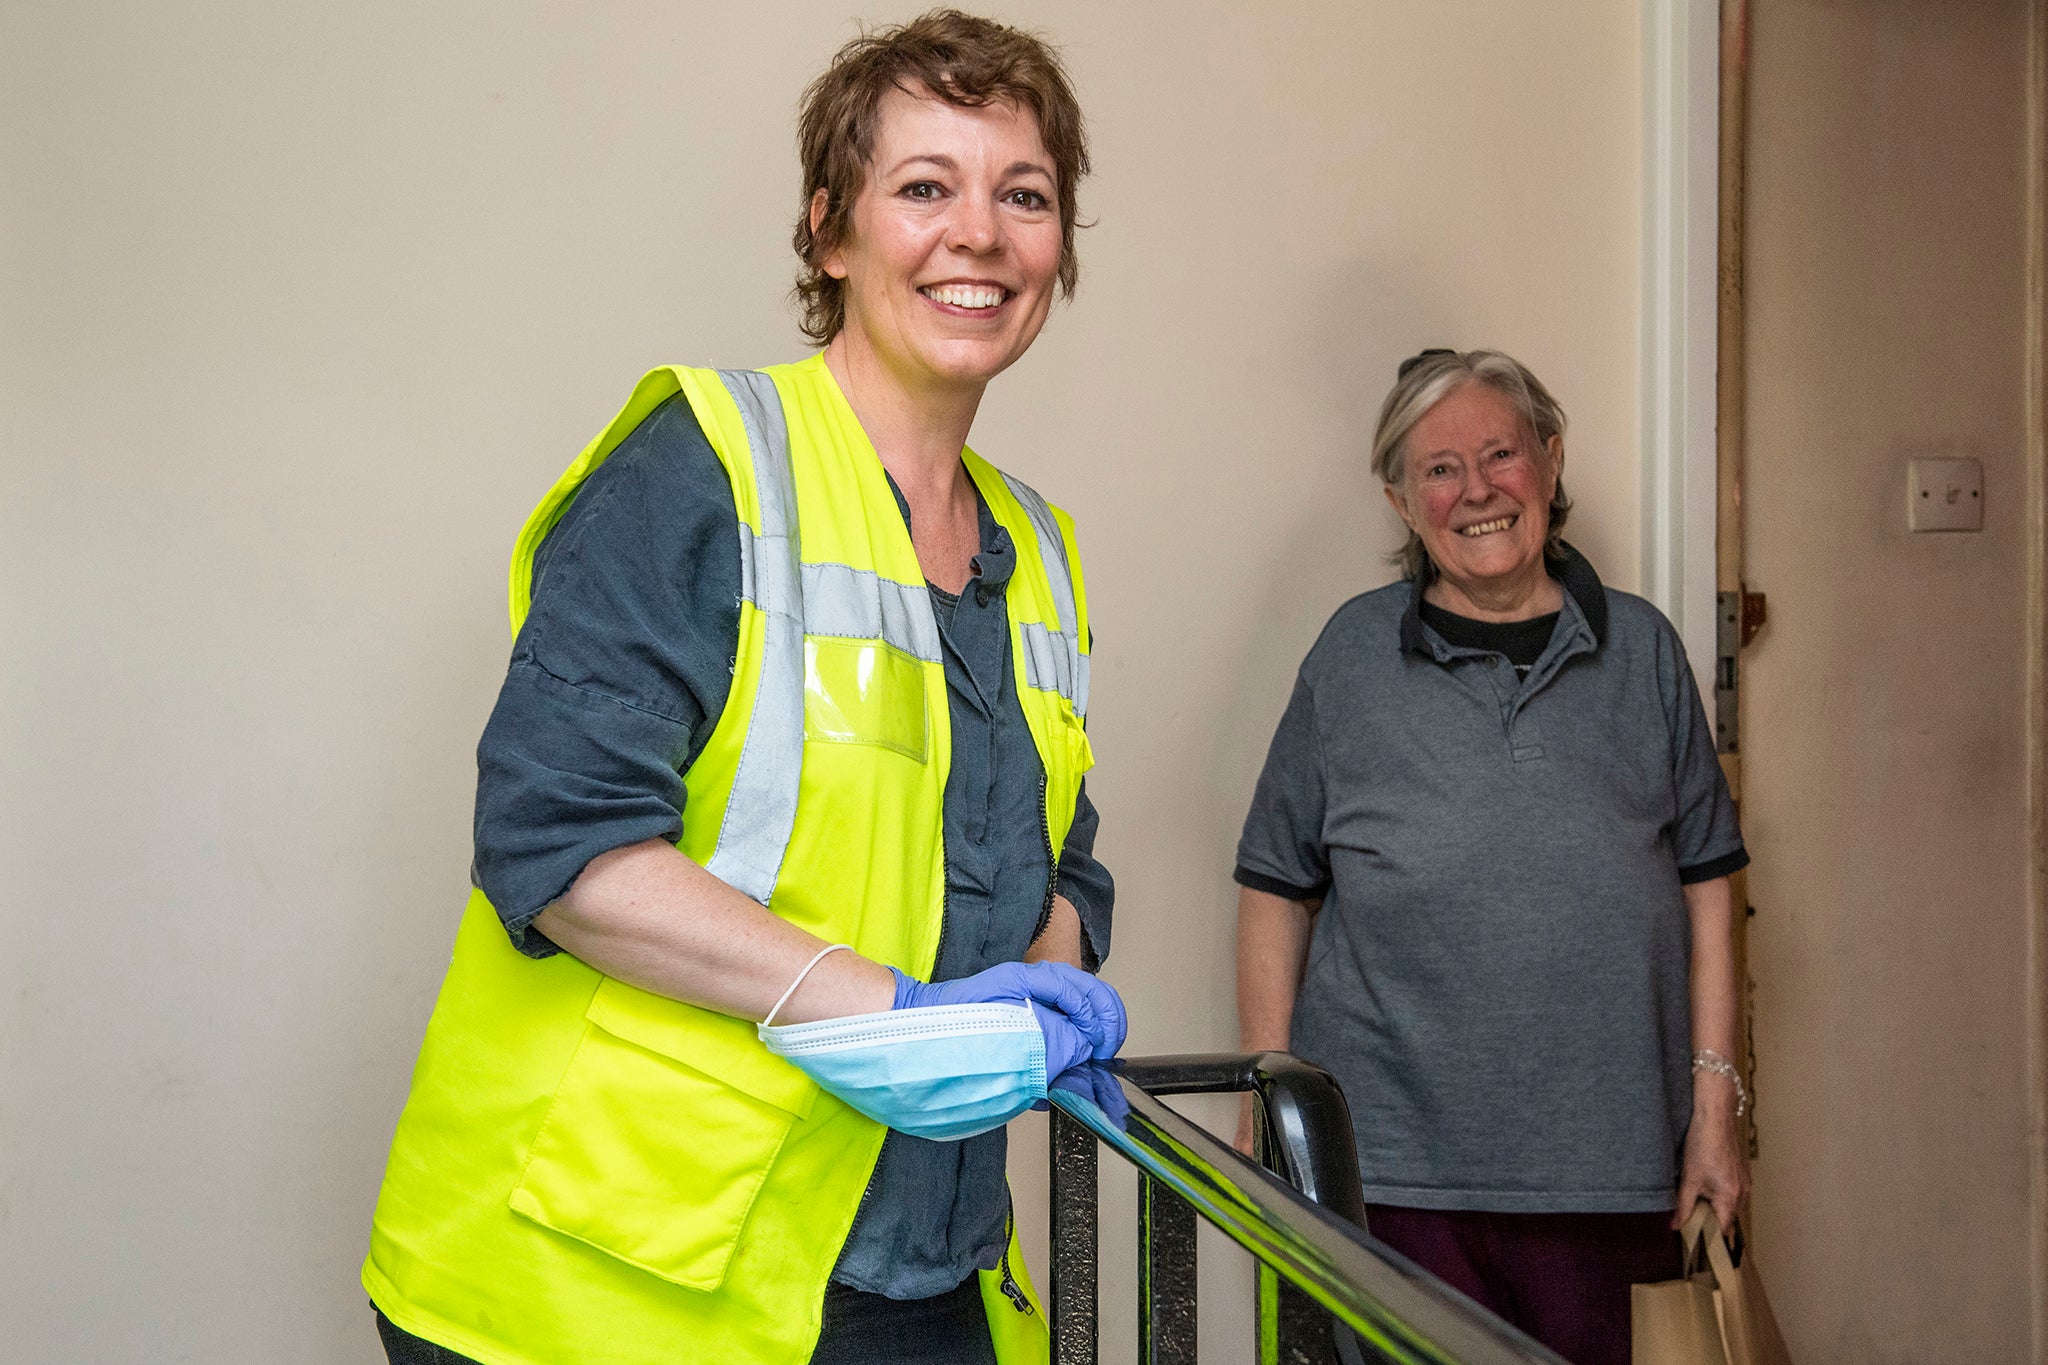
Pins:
x,y
1498,973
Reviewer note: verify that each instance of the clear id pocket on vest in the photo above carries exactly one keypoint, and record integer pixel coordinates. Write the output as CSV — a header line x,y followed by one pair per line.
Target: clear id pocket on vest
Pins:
x,y
864,692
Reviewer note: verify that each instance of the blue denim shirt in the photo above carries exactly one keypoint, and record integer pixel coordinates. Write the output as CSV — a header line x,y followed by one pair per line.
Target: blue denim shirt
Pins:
x,y
617,678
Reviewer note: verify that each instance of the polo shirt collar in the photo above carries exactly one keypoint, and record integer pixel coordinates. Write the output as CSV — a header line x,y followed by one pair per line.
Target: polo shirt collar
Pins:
x,y
1571,569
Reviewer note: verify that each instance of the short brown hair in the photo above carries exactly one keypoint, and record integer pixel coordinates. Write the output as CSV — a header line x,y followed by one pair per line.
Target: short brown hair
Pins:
x,y
1426,380
956,57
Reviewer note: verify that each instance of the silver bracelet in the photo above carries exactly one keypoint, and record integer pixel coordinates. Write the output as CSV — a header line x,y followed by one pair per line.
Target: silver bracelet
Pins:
x,y
1704,1060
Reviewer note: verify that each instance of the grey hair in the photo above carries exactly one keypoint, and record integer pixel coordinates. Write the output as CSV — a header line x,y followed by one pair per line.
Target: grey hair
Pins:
x,y
1434,376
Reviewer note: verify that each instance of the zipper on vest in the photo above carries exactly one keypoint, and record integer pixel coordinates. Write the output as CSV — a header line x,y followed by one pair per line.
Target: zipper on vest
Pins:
x,y
945,898
1052,861
860,1210
1012,1291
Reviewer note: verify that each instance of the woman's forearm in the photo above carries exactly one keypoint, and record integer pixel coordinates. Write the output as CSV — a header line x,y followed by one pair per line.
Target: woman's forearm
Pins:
x,y
1060,940
1716,999
1713,1168
651,917
1272,948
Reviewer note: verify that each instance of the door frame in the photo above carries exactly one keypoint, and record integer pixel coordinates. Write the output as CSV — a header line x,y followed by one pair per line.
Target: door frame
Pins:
x,y
1679,333
2037,661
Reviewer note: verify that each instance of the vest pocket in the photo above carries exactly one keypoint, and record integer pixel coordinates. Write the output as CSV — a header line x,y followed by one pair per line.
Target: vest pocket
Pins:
x,y
864,692
654,1159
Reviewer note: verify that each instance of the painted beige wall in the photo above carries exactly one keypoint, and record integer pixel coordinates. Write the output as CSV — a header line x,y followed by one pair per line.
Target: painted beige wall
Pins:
x,y
301,307
1884,762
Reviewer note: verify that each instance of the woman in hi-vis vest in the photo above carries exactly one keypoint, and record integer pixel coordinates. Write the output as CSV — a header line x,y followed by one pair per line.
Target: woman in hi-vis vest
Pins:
x,y
786,900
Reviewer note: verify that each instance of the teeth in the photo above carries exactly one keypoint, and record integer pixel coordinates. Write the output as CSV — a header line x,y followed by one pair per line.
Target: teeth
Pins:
x,y
964,295
1484,527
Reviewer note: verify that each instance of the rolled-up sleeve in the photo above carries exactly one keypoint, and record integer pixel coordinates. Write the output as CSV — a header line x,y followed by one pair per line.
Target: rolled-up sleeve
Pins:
x,y
618,674
1086,882
1282,851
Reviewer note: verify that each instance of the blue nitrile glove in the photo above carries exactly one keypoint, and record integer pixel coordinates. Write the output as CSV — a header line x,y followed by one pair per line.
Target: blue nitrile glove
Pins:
x,y
1080,1015
1095,1081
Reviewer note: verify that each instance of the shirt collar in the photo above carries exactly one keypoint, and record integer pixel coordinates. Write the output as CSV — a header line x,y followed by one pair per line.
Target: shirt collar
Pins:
x,y
1570,568
997,558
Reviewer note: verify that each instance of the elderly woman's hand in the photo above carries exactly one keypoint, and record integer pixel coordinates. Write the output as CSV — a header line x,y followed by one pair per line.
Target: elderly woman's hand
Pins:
x,y
1716,1168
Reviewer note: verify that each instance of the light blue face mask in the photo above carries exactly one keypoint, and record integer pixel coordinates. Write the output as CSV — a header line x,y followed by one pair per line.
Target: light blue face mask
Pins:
x,y
942,1072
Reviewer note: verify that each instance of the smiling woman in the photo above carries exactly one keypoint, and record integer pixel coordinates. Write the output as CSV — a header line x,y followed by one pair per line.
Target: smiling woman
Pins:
x,y
973,236
1485,883
945,269
793,732
1470,450
845,109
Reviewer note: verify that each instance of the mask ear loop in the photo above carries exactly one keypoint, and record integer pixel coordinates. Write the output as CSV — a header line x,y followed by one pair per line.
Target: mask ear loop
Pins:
x,y
823,953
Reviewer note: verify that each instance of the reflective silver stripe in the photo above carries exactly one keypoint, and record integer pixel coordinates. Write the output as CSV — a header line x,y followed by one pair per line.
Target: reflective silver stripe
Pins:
x,y
1047,654
860,604
1052,548
747,553
1064,669
1045,657
761,811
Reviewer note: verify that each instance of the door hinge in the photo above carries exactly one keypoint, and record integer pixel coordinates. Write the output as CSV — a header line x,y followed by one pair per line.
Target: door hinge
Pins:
x,y
1738,617
1756,609
1727,671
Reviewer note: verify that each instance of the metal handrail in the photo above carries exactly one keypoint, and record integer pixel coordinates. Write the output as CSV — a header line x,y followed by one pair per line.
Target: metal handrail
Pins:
x,y
1301,1131
1300,1103
1399,1311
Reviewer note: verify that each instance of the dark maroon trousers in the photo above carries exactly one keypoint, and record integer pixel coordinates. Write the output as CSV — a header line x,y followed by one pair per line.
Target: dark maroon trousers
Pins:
x,y
1561,1277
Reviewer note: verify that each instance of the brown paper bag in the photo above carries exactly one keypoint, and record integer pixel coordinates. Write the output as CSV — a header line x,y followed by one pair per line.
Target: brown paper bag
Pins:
x,y
1716,1315
1675,1322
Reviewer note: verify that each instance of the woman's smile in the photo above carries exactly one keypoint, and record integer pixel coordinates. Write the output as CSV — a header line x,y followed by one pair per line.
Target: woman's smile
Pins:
x,y
967,299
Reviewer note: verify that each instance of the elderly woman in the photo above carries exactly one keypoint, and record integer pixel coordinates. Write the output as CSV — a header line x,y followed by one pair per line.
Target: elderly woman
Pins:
x,y
785,885
1485,882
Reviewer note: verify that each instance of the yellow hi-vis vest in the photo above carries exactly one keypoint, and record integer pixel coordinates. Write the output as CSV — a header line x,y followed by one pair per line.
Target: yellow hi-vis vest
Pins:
x,y
589,1174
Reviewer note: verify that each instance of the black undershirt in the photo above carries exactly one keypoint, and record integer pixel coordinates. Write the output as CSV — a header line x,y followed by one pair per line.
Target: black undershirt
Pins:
x,y
1522,641
943,603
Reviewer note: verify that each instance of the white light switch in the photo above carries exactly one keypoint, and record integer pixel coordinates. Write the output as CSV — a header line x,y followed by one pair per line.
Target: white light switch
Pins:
x,y
1945,495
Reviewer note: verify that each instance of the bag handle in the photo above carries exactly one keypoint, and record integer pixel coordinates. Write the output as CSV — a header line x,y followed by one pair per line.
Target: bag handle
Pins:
x,y
1690,1236
1704,1226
